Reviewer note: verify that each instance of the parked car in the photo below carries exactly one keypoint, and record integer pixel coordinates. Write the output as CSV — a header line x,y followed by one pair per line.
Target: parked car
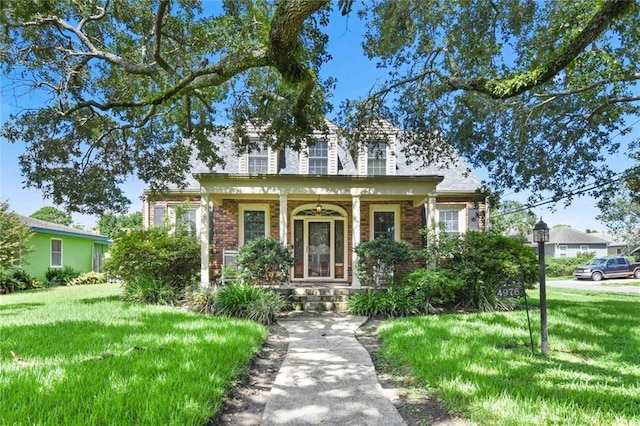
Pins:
x,y
602,267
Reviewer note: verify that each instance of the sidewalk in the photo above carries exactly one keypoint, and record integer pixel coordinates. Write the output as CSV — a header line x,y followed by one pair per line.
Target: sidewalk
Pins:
x,y
327,377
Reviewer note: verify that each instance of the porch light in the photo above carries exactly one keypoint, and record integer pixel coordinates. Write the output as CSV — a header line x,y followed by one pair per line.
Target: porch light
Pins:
x,y
319,207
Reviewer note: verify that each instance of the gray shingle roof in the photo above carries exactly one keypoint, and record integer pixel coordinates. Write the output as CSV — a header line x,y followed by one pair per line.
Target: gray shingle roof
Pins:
x,y
43,225
567,235
458,177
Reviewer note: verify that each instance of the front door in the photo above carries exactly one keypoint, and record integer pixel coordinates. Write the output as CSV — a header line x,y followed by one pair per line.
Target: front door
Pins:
x,y
319,252
319,244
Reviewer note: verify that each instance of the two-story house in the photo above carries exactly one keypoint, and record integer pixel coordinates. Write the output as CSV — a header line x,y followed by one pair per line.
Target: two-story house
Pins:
x,y
321,202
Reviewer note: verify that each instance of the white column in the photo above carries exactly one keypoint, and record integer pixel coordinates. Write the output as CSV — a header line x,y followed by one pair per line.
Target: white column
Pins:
x,y
431,213
204,239
283,219
355,232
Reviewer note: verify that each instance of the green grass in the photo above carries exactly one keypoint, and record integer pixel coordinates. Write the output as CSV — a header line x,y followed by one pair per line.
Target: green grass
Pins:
x,y
481,364
91,359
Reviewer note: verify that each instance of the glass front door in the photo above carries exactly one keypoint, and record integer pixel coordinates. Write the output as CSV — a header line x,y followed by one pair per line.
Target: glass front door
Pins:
x,y
319,249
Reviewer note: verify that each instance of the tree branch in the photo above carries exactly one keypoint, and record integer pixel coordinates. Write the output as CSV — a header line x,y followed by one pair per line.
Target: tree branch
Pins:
x,y
510,87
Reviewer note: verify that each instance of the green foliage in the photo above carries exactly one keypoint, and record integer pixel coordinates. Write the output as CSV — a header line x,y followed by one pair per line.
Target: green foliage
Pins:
x,y
246,301
391,302
89,278
485,262
564,266
154,253
17,279
60,276
494,92
201,299
111,224
440,245
621,215
152,290
378,261
512,219
53,215
264,261
14,238
432,288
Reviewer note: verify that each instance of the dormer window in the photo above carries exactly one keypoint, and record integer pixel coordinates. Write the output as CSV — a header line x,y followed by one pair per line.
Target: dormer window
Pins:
x,y
258,161
376,159
319,158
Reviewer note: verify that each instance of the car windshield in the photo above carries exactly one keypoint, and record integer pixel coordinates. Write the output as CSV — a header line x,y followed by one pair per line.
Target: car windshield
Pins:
x,y
598,261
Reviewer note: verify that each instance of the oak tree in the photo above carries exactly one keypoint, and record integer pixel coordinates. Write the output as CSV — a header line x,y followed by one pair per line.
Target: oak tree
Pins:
x,y
533,91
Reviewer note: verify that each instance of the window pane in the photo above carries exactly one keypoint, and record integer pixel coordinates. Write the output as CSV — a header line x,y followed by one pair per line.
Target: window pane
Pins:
x,y
56,252
384,225
319,158
449,219
188,221
158,216
254,224
259,161
377,159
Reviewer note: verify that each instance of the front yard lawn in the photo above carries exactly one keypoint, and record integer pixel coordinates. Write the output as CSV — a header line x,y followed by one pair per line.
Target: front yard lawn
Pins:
x,y
481,364
84,357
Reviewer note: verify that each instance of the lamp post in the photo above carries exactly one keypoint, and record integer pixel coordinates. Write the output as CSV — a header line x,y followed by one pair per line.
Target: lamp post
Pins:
x,y
541,236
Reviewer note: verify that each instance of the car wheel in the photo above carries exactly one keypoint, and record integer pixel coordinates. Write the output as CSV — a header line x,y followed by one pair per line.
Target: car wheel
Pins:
x,y
596,276
636,274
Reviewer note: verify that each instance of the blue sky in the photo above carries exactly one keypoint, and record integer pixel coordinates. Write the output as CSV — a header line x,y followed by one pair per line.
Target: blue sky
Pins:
x,y
356,75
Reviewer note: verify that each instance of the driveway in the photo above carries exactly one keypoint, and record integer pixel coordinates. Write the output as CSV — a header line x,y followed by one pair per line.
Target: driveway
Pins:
x,y
629,286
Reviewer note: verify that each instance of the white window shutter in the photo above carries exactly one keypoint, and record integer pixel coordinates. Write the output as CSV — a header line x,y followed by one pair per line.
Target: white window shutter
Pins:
x,y
304,162
391,157
273,162
362,161
243,164
333,159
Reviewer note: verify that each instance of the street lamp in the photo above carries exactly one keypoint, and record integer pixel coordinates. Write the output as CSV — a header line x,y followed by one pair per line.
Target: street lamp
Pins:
x,y
541,236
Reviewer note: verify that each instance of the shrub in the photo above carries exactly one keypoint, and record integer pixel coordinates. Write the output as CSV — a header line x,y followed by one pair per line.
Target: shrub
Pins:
x,y
432,288
155,254
378,261
201,300
264,261
60,276
370,303
24,281
152,290
391,302
89,278
246,301
564,266
485,262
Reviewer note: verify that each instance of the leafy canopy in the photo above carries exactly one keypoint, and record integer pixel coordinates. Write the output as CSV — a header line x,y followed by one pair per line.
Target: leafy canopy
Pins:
x,y
14,238
533,91
53,215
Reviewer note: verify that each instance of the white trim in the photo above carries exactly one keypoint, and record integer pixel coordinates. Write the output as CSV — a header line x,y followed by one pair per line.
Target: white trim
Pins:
x,y
252,207
394,208
51,240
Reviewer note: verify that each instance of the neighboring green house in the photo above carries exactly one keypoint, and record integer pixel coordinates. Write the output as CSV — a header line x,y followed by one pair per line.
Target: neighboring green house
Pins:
x,y
57,246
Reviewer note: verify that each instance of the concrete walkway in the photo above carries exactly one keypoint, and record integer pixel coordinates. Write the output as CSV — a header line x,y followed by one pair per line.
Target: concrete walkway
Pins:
x,y
327,377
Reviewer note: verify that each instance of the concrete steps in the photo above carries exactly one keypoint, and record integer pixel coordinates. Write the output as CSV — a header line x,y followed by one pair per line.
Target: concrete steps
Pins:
x,y
319,299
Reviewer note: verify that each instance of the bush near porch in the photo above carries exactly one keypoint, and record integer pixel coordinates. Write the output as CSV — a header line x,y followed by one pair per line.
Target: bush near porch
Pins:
x,y
476,265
